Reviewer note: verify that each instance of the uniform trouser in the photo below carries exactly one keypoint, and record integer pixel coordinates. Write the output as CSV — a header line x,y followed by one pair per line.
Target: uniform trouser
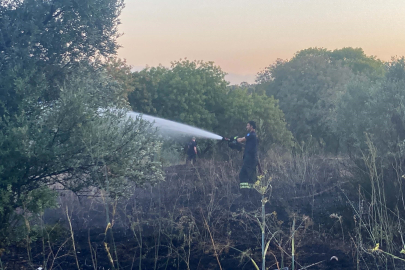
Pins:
x,y
191,157
247,175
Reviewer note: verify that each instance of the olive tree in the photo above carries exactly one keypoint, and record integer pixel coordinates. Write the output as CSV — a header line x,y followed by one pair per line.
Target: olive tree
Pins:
x,y
62,115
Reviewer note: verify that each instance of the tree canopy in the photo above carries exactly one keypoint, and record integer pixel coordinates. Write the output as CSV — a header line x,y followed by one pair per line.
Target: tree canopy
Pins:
x,y
42,42
62,114
196,93
374,109
189,92
309,87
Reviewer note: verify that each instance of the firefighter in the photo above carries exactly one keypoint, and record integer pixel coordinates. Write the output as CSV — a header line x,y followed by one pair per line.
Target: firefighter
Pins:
x,y
192,151
247,175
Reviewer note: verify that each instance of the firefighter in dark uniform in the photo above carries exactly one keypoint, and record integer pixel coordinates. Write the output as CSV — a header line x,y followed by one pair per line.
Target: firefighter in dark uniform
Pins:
x,y
192,151
247,175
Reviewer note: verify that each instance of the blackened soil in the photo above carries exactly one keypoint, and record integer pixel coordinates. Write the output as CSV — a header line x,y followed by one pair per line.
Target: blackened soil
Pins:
x,y
176,225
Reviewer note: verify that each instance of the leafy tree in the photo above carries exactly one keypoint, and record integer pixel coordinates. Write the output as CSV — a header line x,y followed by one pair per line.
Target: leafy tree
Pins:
x,y
307,89
57,122
189,92
42,41
144,92
120,72
251,88
310,85
241,107
90,147
377,109
355,114
196,93
354,58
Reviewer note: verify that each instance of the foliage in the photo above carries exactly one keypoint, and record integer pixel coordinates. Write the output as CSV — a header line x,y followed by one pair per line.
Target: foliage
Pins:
x,y
310,85
375,108
242,107
189,92
197,94
42,41
86,148
353,118
62,112
120,72
144,93
354,58
307,89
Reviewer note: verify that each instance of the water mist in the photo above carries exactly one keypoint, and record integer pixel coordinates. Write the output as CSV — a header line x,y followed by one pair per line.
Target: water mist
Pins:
x,y
171,128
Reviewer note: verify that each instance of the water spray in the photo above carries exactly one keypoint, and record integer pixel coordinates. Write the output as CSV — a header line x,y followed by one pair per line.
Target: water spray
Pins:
x,y
168,127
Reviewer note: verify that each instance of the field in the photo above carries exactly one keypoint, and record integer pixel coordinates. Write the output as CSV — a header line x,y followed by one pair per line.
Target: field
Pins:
x,y
197,219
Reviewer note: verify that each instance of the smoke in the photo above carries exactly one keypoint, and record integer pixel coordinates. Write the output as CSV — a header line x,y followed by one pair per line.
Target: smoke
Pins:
x,y
171,128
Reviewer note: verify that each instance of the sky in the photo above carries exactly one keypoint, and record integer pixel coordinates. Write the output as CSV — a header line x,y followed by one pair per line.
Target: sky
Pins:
x,y
243,37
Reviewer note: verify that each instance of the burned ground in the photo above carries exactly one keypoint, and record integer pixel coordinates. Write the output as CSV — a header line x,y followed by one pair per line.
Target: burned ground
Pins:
x,y
196,219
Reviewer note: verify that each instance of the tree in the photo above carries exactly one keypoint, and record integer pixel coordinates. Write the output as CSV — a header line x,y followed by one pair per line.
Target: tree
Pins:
x,y
355,114
62,116
120,72
90,147
42,42
376,109
354,58
310,85
196,93
190,92
241,107
307,89
144,92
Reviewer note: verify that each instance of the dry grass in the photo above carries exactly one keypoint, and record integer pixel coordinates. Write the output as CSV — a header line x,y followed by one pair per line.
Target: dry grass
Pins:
x,y
196,219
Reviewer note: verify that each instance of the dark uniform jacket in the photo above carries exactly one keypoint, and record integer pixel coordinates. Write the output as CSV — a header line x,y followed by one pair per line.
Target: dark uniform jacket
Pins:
x,y
250,154
190,150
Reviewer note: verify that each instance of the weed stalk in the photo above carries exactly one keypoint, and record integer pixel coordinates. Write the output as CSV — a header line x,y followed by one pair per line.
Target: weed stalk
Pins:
x,y
263,232
73,238
293,245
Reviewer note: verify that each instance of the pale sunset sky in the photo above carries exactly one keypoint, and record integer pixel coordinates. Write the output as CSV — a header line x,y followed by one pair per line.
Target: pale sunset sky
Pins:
x,y
243,37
